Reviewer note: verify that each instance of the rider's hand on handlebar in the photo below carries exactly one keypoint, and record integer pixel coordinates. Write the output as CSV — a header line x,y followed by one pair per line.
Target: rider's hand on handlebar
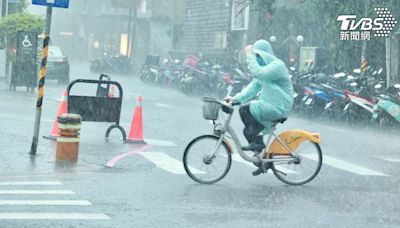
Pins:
x,y
230,99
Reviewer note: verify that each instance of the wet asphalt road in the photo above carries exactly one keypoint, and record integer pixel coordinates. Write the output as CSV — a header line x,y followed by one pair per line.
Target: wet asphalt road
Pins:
x,y
358,185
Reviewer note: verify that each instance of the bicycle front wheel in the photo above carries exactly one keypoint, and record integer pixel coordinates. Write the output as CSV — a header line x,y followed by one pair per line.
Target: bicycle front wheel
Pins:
x,y
304,168
202,167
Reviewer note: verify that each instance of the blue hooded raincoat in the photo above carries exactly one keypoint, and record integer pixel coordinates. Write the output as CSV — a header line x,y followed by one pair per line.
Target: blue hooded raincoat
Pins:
x,y
271,78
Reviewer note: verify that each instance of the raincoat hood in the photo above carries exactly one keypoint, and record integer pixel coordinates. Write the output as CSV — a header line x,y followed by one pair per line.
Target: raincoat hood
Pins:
x,y
263,45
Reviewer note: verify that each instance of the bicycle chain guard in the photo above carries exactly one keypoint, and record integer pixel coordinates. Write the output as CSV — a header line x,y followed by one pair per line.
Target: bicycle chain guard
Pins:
x,y
293,139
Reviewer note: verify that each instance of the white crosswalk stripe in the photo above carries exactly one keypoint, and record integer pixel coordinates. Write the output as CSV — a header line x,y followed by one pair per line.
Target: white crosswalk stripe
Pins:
x,y
46,206
346,166
166,162
10,183
53,216
45,202
36,192
174,166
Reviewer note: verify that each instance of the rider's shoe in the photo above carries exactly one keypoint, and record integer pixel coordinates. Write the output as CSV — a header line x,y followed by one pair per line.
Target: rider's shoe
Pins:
x,y
258,171
256,145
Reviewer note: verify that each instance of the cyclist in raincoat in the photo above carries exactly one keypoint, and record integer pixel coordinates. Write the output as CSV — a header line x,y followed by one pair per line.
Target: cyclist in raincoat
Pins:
x,y
272,83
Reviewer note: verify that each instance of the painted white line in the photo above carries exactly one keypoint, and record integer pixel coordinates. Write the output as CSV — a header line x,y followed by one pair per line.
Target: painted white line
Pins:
x,y
163,105
53,216
10,183
236,157
167,163
36,192
45,202
346,166
391,160
156,142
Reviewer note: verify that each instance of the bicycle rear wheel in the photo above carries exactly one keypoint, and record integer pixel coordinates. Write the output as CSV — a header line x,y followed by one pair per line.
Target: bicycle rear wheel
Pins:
x,y
303,169
201,169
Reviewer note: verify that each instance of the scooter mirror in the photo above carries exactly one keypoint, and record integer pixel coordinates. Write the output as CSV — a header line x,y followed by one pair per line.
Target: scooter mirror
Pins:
x,y
380,70
353,84
356,71
375,72
397,86
378,86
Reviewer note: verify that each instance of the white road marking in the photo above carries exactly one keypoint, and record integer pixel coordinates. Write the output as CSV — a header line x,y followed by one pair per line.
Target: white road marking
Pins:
x,y
45,202
391,160
53,216
36,192
156,142
236,157
10,183
346,166
167,163
163,105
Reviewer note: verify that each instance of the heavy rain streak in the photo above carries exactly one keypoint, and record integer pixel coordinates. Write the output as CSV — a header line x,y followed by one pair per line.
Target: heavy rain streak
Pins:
x,y
189,113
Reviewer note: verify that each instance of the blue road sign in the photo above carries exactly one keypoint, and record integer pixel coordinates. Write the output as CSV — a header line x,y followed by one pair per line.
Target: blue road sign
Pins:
x,y
53,3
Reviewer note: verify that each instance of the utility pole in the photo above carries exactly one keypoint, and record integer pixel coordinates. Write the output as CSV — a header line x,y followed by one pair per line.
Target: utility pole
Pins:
x,y
4,4
129,38
42,76
4,8
364,47
173,25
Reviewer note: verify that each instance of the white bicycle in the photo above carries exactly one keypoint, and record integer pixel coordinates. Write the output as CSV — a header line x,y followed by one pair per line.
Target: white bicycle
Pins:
x,y
294,156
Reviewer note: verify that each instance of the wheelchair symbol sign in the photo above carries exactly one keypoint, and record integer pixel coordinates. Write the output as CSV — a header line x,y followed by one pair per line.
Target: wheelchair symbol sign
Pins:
x,y
26,43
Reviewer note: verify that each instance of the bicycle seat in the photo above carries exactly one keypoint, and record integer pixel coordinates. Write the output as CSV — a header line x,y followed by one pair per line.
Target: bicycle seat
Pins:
x,y
280,120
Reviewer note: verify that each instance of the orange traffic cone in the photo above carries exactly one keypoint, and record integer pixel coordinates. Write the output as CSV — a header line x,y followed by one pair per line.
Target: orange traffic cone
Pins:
x,y
62,108
111,92
136,131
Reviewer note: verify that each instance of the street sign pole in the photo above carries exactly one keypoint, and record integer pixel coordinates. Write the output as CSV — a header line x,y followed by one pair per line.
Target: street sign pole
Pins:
x,y
42,75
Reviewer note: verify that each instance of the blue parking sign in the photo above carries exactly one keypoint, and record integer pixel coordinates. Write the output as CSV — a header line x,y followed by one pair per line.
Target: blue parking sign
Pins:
x,y
53,3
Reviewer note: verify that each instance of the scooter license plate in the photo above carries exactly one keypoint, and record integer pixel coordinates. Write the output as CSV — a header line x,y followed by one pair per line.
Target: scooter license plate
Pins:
x,y
308,101
305,98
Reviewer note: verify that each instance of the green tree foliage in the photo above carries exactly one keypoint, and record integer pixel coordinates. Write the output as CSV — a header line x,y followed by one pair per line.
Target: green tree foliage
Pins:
x,y
10,25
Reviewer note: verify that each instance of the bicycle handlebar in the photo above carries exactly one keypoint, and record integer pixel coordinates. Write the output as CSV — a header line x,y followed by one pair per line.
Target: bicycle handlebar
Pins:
x,y
223,103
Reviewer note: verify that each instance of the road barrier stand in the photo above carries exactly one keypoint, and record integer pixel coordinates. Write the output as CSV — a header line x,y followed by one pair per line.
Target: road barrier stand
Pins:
x,y
99,108
68,141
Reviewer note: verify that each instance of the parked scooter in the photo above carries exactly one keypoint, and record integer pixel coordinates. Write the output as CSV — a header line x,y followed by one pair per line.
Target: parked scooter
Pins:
x,y
387,111
111,64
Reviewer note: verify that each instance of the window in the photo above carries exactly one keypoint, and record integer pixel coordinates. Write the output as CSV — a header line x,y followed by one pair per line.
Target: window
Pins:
x,y
240,15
